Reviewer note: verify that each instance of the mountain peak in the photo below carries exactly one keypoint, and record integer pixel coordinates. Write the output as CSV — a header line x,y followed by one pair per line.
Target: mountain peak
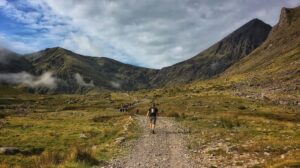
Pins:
x,y
218,57
282,41
58,52
288,23
253,25
257,21
288,16
284,18
55,49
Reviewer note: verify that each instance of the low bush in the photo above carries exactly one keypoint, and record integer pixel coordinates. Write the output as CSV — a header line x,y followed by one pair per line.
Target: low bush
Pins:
x,y
70,108
58,159
83,155
229,122
32,151
102,118
173,114
2,115
183,116
241,107
49,158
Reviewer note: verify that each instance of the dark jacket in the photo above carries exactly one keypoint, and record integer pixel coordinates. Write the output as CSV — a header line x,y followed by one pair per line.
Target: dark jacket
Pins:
x,y
153,112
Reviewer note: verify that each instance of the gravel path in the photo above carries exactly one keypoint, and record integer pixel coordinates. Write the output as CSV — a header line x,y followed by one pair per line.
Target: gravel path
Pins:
x,y
165,148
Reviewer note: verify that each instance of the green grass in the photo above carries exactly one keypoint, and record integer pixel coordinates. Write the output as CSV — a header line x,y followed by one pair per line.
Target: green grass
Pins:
x,y
63,130
214,114
230,111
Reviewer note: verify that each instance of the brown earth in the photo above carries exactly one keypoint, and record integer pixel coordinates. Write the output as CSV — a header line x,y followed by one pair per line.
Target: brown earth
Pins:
x,y
166,148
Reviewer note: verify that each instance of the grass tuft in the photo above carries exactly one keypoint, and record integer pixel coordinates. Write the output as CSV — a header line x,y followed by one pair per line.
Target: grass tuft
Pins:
x,y
82,155
173,114
230,122
49,158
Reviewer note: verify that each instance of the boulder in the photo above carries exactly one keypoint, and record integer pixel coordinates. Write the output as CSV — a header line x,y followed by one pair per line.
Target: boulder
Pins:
x,y
9,150
120,140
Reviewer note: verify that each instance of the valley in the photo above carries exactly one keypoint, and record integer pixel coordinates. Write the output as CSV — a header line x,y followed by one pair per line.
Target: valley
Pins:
x,y
236,104
219,128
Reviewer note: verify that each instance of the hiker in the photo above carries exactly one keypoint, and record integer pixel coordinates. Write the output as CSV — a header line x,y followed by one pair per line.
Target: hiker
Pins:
x,y
152,113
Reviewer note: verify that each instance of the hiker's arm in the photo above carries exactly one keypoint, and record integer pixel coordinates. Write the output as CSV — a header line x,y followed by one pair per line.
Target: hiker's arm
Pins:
x,y
147,113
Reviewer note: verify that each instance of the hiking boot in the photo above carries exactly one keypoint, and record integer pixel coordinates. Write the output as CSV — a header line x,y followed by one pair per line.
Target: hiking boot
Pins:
x,y
153,132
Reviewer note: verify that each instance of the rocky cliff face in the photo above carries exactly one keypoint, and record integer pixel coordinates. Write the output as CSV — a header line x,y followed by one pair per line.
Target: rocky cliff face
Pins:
x,y
218,57
283,39
284,20
287,27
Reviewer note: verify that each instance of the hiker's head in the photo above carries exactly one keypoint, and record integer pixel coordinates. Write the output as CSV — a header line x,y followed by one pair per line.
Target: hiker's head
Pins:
x,y
153,105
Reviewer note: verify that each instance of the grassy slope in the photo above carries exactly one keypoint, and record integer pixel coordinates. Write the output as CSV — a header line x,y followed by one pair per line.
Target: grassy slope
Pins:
x,y
103,71
274,66
248,130
250,114
47,128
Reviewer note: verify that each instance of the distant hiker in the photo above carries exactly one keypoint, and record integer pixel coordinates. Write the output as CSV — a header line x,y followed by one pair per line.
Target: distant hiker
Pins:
x,y
152,114
125,107
137,111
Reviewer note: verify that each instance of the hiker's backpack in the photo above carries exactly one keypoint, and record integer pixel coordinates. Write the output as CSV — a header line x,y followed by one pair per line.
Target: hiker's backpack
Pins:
x,y
153,111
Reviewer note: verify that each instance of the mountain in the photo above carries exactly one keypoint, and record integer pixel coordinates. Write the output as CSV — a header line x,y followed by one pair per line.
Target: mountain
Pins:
x,y
11,62
218,57
277,61
75,71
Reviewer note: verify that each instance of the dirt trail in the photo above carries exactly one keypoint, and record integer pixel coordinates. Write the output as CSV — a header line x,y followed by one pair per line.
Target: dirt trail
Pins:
x,y
165,148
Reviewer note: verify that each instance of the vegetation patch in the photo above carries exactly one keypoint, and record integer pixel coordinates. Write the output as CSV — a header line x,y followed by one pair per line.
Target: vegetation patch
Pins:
x,y
80,136
229,122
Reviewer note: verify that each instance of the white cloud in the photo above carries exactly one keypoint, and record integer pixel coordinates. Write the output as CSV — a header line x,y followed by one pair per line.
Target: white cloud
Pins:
x,y
13,44
116,84
3,3
41,26
152,33
80,81
45,80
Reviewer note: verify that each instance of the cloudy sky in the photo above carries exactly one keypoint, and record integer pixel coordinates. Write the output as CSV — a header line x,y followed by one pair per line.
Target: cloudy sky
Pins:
x,y
150,33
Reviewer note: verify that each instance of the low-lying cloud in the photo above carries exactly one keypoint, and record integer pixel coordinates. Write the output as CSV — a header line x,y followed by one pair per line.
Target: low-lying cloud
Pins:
x,y
115,84
46,80
80,81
